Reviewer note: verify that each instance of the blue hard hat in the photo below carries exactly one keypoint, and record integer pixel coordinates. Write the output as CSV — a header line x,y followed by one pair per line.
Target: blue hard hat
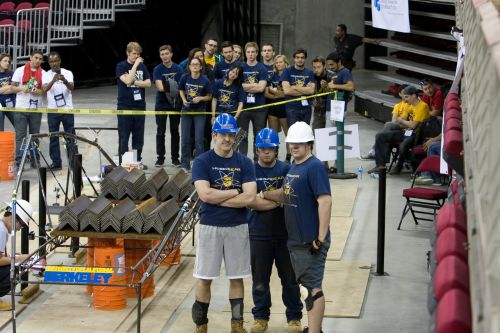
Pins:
x,y
267,138
225,123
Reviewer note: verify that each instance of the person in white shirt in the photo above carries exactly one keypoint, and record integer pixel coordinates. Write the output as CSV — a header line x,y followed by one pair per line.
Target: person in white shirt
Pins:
x,y
58,84
29,76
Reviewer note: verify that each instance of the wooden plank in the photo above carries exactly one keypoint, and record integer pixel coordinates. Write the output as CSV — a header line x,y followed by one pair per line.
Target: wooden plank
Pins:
x,y
415,67
340,228
343,197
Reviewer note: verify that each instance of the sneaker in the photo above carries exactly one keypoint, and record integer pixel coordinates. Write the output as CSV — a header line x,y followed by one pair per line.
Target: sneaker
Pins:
x,y
259,325
55,167
176,163
423,181
237,326
201,328
5,306
294,326
159,163
369,156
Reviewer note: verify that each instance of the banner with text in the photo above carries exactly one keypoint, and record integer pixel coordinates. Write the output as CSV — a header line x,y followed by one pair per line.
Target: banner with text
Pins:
x,y
391,15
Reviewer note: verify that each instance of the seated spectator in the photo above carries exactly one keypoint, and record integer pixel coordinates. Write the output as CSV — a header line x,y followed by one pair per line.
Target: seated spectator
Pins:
x,y
402,109
432,95
419,112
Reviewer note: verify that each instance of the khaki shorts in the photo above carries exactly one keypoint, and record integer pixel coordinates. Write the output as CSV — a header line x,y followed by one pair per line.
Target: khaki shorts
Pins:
x,y
229,243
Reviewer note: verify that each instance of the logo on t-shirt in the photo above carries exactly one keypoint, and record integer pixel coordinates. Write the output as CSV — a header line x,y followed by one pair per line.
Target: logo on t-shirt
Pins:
x,y
299,80
288,189
192,91
271,183
169,76
251,77
225,100
226,180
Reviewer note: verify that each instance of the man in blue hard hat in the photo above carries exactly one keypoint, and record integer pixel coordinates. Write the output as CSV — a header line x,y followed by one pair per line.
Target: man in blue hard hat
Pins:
x,y
268,237
225,182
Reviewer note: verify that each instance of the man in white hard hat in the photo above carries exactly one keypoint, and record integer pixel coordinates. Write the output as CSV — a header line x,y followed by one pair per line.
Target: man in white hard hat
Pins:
x,y
308,203
24,212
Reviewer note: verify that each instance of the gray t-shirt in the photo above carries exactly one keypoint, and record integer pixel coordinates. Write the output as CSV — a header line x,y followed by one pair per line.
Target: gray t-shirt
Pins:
x,y
4,235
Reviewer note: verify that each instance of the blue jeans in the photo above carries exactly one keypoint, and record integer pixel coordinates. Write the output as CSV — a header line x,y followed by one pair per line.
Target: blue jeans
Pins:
x,y
131,125
263,253
199,129
433,150
24,123
54,121
294,115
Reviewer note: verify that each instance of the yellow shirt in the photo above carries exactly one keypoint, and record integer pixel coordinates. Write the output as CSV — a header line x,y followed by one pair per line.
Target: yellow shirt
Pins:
x,y
419,112
402,109
210,61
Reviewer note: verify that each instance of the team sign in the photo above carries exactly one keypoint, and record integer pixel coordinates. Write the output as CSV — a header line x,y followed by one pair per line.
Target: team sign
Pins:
x,y
83,275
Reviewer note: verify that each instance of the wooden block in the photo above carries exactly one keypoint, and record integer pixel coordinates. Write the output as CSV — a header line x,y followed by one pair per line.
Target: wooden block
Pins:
x,y
30,293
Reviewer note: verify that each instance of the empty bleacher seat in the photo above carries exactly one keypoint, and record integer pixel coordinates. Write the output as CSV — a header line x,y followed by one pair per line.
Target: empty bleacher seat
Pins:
x,y
7,22
451,215
7,7
452,124
451,241
24,25
451,273
23,5
454,313
453,143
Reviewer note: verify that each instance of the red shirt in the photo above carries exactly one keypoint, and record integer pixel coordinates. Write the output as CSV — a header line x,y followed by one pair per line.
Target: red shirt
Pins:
x,y
435,101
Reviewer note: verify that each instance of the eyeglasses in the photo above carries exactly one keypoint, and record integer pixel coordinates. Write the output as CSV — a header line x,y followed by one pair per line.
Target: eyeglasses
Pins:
x,y
194,65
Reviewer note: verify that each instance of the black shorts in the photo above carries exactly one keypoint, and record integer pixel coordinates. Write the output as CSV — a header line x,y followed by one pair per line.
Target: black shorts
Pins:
x,y
278,111
4,280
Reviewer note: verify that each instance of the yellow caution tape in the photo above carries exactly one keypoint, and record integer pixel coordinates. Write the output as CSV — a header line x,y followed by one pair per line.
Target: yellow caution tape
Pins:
x,y
150,112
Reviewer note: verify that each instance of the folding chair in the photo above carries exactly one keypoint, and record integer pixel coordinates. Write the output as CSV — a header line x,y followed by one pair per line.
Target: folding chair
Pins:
x,y
424,197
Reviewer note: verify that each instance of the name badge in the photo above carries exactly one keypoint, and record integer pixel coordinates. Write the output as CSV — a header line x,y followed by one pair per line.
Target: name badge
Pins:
x,y
60,100
409,132
250,99
137,95
304,102
9,103
33,103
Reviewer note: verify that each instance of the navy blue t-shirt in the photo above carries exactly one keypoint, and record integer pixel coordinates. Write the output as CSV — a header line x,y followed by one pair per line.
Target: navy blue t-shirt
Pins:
x,y
254,74
227,97
299,78
6,80
223,174
221,69
267,225
303,184
194,88
340,77
270,71
275,81
131,97
162,72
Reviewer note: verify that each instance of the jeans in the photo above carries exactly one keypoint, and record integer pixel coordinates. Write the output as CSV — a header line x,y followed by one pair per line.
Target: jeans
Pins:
x,y
294,115
10,115
161,127
24,123
199,129
263,253
131,125
68,122
258,119
404,150
433,150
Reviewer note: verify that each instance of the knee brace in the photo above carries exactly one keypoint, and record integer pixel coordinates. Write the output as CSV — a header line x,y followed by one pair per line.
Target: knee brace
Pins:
x,y
310,299
199,313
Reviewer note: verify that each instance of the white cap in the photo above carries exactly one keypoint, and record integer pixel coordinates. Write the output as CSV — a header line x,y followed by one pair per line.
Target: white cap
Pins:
x,y
24,210
299,132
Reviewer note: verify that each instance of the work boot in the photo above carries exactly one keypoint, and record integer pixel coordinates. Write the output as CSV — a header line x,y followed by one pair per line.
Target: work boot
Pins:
x,y
259,325
294,326
237,326
201,328
5,306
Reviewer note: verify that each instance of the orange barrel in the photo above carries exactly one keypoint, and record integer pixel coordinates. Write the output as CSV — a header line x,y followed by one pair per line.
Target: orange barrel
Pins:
x,y
135,250
90,259
111,298
7,149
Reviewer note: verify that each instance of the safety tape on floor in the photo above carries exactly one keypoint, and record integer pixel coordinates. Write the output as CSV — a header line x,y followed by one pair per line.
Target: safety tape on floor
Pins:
x,y
150,112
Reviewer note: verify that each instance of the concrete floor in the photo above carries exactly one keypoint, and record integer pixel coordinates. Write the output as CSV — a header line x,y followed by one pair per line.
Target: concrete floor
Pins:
x,y
393,303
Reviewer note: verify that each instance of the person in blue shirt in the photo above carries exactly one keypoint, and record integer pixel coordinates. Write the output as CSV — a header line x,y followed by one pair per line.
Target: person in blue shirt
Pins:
x,y
268,238
267,54
298,81
228,94
254,84
166,77
342,81
195,92
7,92
133,77
225,183
307,197
222,67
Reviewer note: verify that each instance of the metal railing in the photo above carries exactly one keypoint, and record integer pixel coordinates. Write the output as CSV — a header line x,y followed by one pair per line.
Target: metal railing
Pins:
x,y
6,38
31,33
66,19
120,3
99,11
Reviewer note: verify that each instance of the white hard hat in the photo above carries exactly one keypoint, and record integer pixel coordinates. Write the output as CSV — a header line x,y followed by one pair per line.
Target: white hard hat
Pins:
x,y
299,132
24,210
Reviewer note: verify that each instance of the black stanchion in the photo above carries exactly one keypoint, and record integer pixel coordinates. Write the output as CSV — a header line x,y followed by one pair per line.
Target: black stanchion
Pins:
x,y
42,211
77,182
25,248
381,221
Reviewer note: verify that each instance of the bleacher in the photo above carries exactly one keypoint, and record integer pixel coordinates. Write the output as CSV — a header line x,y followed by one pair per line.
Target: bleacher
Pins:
x,y
26,26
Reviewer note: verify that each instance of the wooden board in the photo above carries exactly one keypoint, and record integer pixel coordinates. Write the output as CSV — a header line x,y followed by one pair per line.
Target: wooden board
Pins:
x,y
340,227
343,197
344,286
6,316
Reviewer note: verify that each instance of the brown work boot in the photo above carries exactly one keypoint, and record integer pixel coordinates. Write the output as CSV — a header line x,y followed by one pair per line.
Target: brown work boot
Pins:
x,y
259,325
294,326
201,328
237,326
5,306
